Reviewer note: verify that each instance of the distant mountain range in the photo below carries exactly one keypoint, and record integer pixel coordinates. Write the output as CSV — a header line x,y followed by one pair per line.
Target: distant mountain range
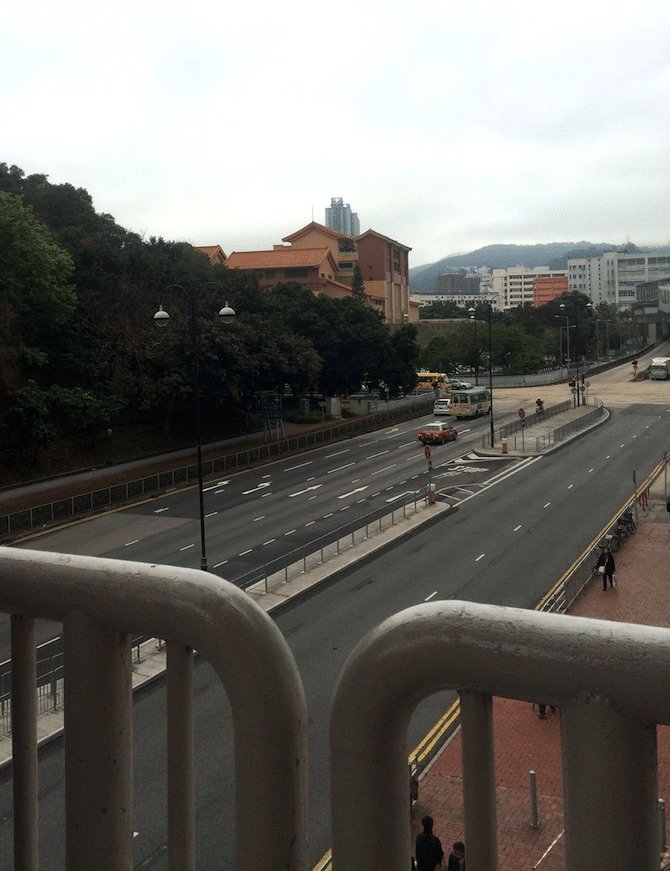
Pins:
x,y
555,255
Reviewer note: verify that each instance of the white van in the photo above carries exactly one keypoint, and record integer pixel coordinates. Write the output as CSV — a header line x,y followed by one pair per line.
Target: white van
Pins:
x,y
442,406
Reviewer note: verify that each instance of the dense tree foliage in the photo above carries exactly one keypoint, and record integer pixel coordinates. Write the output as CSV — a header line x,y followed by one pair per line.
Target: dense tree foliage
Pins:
x,y
81,352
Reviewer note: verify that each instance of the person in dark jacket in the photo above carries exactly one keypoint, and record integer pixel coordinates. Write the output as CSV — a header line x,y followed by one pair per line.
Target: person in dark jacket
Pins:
x,y
606,567
457,857
428,849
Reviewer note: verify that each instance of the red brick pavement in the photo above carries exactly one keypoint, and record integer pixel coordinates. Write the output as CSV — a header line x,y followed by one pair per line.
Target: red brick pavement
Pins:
x,y
523,742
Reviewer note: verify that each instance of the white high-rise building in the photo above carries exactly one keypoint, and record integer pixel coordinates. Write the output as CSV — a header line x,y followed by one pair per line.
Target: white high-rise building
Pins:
x,y
516,285
340,217
613,277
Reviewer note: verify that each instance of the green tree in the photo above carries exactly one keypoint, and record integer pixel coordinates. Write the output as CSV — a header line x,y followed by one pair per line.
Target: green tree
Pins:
x,y
36,297
357,285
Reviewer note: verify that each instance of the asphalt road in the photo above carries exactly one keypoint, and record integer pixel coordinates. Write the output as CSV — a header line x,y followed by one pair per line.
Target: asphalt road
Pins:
x,y
507,543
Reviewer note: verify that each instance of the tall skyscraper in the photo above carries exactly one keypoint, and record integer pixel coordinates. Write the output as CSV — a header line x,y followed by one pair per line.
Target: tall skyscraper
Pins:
x,y
340,217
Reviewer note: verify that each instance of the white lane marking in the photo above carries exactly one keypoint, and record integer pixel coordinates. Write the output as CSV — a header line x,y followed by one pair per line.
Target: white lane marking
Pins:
x,y
268,476
309,498
591,469
407,444
428,598
134,541
376,494
269,541
306,490
345,507
263,495
399,496
187,547
339,468
391,431
546,504
385,469
311,523
244,552
570,486
222,563
311,478
214,486
211,514
622,445
256,489
262,517
290,532
353,492
299,466
337,453
481,556
607,457
160,510
328,515
517,528
374,456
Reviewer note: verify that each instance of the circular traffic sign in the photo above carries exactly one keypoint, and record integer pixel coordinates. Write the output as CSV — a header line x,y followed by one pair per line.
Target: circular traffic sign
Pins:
x,y
522,413
426,451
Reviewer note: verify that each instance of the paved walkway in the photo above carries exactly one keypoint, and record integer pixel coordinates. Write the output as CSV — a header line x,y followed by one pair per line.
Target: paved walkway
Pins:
x,y
523,742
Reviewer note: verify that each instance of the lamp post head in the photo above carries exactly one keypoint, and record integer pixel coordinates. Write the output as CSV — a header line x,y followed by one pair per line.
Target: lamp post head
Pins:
x,y
161,317
562,305
227,314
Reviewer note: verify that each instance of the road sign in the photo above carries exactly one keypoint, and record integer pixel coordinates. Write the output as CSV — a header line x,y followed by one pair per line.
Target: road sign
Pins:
x,y
426,451
573,390
522,413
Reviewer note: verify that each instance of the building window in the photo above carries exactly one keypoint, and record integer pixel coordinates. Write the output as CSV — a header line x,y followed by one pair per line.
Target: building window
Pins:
x,y
296,272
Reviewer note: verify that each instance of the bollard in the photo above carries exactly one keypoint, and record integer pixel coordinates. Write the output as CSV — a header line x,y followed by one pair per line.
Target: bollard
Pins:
x,y
534,821
432,494
661,825
503,445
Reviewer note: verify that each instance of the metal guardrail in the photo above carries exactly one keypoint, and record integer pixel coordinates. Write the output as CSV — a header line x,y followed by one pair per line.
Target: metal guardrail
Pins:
x,y
89,502
319,550
50,683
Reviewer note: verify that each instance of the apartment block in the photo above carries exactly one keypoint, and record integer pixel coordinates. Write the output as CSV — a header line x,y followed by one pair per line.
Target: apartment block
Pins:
x,y
516,285
613,277
340,217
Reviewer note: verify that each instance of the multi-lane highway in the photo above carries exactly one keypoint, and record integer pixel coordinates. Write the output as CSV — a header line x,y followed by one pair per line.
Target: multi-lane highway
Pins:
x,y
512,536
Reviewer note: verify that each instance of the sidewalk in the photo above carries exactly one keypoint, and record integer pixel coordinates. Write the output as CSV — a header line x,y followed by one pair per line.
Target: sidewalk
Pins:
x,y
523,742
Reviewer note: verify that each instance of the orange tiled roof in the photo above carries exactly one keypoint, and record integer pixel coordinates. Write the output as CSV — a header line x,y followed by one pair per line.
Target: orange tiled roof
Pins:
x,y
382,236
285,257
211,250
313,225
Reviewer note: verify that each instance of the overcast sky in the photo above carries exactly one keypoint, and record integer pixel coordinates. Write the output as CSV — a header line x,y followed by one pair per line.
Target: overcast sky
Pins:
x,y
446,126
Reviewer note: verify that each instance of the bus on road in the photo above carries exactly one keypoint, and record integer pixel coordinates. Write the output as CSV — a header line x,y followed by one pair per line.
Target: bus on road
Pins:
x,y
470,403
660,368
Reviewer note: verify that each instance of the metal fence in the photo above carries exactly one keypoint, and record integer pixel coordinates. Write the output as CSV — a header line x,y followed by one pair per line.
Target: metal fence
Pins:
x,y
150,485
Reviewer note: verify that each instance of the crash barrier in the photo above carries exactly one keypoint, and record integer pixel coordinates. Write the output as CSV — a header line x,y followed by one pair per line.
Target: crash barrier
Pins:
x,y
117,492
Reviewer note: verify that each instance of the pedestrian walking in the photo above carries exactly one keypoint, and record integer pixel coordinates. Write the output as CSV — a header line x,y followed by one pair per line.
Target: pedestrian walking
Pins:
x,y
457,857
606,567
428,849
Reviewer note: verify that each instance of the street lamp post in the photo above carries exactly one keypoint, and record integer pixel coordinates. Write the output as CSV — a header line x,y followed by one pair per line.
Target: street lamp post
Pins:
x,y
471,312
490,375
161,318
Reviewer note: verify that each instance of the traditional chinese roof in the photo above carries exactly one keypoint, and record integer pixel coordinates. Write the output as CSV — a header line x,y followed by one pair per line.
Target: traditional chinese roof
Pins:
x,y
281,258
313,225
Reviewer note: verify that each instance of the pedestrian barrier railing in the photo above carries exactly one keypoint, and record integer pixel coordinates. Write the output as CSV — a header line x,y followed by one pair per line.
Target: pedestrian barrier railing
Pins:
x,y
519,439
268,577
318,551
604,676
118,493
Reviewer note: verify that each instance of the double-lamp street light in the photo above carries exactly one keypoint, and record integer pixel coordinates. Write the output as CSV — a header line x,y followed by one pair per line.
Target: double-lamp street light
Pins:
x,y
161,318
471,312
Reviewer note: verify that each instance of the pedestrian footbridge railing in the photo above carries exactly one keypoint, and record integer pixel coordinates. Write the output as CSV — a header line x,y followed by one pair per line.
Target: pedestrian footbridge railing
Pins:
x,y
608,679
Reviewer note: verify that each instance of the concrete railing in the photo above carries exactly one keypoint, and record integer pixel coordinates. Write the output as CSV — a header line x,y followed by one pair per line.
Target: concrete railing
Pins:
x,y
604,676
101,602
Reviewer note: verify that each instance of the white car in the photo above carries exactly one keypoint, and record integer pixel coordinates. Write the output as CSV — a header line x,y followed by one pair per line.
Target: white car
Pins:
x,y
442,406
